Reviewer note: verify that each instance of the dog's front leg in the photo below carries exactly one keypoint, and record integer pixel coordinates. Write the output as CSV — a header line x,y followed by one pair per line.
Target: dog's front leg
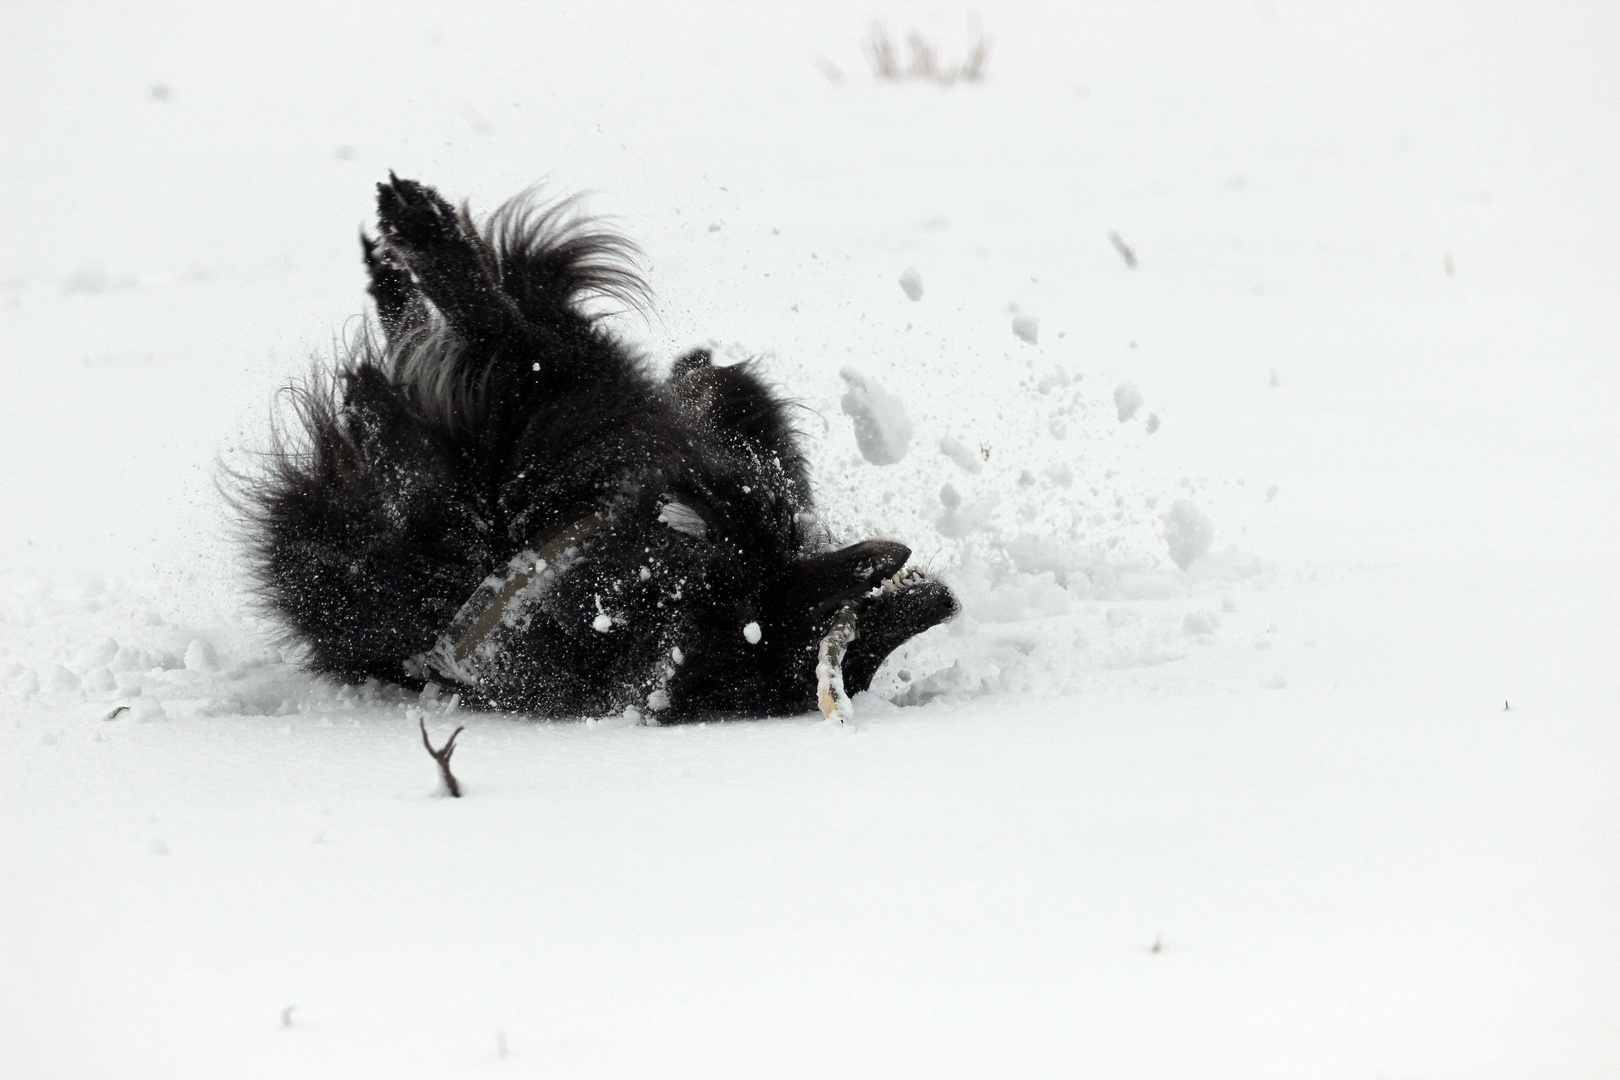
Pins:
x,y
399,305
449,265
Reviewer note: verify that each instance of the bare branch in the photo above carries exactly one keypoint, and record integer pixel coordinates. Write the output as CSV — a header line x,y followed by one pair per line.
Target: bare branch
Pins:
x,y
442,755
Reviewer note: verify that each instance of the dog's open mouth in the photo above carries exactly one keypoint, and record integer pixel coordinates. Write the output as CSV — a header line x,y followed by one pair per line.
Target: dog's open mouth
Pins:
x,y
830,693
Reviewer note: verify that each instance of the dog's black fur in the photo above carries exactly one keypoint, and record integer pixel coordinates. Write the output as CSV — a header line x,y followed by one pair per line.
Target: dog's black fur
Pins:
x,y
494,412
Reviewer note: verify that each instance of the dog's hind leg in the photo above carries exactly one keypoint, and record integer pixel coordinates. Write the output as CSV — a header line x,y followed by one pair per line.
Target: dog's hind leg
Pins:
x,y
450,264
368,540
399,304
735,404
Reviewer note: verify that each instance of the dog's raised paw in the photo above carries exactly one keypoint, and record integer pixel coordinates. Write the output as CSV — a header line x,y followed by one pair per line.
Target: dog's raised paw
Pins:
x,y
381,260
413,215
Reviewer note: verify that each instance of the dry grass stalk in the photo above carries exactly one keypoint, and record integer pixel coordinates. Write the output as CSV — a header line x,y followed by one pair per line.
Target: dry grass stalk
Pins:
x,y
880,50
925,63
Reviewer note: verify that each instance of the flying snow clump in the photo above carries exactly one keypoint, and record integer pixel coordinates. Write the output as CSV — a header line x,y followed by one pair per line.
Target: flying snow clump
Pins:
x,y
1187,532
882,429
1027,327
1127,399
953,448
911,281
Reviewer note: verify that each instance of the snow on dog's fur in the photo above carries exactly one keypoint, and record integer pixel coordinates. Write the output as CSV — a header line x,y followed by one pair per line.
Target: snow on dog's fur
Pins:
x,y
495,494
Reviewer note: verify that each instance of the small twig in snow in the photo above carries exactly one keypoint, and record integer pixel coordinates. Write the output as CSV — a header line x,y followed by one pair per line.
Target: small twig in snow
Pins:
x,y
442,755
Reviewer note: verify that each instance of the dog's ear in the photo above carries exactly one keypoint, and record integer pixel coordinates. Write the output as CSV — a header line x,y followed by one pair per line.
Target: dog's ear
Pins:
x,y
693,361
817,585
737,409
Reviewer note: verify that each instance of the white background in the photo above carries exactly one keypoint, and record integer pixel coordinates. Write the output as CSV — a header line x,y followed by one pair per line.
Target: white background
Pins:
x,y
1353,772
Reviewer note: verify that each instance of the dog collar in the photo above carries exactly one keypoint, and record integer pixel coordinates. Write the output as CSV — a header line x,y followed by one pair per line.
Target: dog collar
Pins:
x,y
490,604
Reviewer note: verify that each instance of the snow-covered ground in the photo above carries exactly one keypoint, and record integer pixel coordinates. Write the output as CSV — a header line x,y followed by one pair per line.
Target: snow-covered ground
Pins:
x,y
1280,736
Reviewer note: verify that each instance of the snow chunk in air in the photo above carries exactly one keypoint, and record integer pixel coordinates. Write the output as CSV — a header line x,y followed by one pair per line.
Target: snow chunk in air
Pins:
x,y
1026,327
882,429
953,448
1127,399
1187,532
751,632
911,281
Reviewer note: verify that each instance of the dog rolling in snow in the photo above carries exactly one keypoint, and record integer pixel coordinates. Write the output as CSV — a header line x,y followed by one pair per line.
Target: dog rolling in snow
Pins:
x,y
495,495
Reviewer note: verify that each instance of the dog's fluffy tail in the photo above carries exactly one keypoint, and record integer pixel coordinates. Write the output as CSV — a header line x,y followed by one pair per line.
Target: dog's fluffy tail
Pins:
x,y
361,536
553,260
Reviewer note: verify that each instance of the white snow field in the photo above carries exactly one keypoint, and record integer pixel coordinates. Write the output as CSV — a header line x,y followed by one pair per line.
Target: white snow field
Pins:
x,y
1280,735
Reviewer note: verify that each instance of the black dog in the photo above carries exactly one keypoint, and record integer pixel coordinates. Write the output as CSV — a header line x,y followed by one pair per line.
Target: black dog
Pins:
x,y
497,495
